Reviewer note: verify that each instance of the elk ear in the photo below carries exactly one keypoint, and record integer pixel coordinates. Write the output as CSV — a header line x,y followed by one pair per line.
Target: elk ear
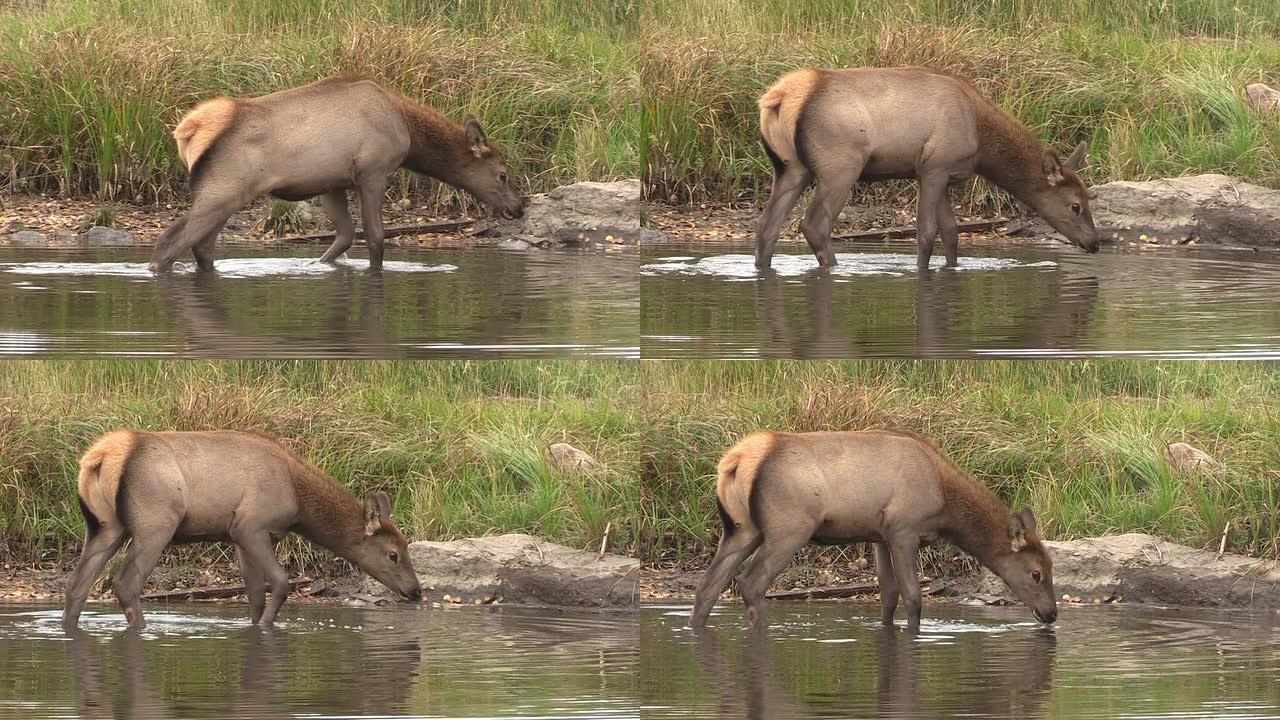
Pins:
x,y
475,135
1018,529
1077,156
377,507
1052,168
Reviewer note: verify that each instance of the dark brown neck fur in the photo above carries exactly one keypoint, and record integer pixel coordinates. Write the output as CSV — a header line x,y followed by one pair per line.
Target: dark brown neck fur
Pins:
x,y
977,521
436,146
328,514
1008,154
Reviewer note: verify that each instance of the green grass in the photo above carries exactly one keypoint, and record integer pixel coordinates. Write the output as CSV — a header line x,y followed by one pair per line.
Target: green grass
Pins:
x,y
1155,87
459,446
1081,442
96,87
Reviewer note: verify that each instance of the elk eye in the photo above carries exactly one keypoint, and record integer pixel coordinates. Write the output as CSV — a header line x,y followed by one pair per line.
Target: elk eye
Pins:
x,y
1035,575
395,558
502,178
1075,208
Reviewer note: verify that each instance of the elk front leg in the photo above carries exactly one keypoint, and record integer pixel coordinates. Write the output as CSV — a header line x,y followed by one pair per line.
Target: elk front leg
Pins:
x,y
948,230
732,550
335,206
787,186
933,190
255,585
904,551
888,584
371,196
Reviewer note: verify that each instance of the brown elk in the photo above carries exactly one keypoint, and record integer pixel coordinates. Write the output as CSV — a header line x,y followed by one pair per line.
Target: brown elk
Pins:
x,y
836,127
778,491
322,139
163,488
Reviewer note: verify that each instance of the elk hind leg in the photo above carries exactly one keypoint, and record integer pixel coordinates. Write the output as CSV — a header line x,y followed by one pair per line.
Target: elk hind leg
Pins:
x,y
99,546
131,576
734,547
788,182
834,186
771,559
335,206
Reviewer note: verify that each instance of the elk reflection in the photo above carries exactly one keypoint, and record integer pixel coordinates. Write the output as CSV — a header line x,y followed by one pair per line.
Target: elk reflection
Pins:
x,y
1016,671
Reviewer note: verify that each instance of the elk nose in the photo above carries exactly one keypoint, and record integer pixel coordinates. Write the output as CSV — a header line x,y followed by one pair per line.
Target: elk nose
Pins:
x,y
1049,616
415,594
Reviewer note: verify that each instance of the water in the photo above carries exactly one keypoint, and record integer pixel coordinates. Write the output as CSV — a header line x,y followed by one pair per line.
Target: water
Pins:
x,y
1011,300
834,660
205,661
281,303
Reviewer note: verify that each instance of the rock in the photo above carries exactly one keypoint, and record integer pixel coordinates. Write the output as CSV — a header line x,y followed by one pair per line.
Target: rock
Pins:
x,y
513,244
100,236
591,209
1190,459
27,238
1262,98
1211,208
520,569
1142,568
567,458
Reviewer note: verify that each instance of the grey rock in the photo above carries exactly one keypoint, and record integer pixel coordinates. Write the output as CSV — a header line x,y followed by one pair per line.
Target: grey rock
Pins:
x,y
567,458
1211,208
27,238
520,569
99,236
1189,459
1262,98
592,209
513,244
1142,568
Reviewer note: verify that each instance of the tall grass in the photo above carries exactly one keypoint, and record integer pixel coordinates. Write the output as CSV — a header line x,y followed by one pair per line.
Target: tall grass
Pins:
x,y
94,88
1081,442
1155,87
459,446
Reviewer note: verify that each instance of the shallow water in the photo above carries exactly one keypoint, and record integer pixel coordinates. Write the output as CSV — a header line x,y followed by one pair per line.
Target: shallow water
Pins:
x,y
205,661
280,302
829,660
1012,300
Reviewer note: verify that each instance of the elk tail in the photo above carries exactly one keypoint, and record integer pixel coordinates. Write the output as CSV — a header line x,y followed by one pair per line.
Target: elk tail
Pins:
x,y
101,471
736,476
780,107
199,132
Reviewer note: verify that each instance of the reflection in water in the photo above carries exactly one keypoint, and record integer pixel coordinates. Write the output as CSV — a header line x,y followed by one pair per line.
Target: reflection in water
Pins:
x,y
836,660
1030,301
205,661
447,303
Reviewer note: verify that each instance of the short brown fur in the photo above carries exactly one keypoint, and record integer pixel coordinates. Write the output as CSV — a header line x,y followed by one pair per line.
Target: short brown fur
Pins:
x,y
202,126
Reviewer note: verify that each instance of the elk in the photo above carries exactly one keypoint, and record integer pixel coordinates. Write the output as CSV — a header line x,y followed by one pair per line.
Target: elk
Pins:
x,y
166,488
322,139
835,127
778,491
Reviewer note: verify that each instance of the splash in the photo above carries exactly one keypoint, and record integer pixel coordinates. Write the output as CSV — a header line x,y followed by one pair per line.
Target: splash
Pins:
x,y
847,265
231,268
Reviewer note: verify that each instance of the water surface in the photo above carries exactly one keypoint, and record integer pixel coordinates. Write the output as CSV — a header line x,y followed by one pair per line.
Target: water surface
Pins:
x,y
834,660
280,302
203,660
1009,300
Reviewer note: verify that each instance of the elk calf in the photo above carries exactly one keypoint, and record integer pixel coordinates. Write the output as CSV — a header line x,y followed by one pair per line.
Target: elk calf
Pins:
x,y
836,127
322,139
778,491
164,488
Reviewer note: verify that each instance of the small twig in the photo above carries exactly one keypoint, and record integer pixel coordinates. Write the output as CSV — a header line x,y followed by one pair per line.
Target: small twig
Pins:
x,y
1222,544
910,231
442,226
604,541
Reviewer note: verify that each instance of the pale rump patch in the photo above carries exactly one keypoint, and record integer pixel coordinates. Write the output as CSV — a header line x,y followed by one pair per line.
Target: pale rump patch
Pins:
x,y
736,473
200,127
101,468
780,109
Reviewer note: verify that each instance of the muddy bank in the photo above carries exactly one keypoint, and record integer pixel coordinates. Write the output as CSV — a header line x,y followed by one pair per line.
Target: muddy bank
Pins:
x,y
603,216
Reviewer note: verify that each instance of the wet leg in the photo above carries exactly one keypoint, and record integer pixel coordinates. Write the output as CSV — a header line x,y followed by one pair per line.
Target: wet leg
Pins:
x,y
787,186
131,576
255,585
905,551
99,547
831,195
948,230
732,551
770,560
372,194
933,188
888,584
335,206
204,250
207,216
257,546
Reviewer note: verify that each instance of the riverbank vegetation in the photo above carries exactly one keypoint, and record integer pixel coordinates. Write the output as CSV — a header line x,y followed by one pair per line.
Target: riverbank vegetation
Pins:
x,y
94,88
1155,87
